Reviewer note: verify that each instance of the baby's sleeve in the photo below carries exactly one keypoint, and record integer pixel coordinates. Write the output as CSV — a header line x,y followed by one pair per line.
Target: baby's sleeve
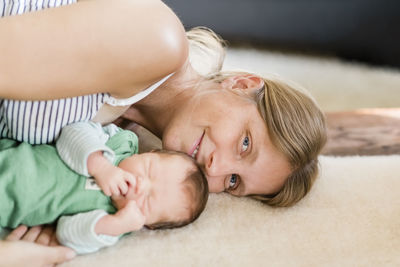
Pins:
x,y
78,140
78,232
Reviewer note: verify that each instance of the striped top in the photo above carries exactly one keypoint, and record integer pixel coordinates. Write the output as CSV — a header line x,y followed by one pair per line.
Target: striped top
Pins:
x,y
17,7
40,122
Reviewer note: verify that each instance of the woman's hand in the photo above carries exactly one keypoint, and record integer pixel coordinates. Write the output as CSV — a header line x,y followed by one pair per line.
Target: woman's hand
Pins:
x,y
42,235
19,248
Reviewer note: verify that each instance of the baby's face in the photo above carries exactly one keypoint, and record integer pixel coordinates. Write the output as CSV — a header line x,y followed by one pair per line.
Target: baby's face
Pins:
x,y
158,192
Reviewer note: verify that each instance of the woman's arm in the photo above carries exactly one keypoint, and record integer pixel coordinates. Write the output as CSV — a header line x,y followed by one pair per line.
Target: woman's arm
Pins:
x,y
120,47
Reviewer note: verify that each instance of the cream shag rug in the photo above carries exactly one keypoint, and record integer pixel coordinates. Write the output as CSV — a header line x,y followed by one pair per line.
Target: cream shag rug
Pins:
x,y
350,218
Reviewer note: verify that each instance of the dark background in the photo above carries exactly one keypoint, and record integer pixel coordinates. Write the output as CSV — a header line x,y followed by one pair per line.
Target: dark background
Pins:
x,y
360,30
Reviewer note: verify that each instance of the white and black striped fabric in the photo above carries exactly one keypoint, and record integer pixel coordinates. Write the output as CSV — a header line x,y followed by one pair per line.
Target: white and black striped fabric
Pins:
x,y
16,7
40,122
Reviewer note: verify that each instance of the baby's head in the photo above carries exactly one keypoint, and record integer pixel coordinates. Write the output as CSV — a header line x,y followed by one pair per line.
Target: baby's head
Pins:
x,y
171,190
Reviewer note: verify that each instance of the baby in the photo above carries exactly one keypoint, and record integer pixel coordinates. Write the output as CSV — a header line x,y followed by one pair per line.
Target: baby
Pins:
x,y
160,189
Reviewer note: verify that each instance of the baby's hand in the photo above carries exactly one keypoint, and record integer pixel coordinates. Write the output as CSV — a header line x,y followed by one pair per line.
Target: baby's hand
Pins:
x,y
111,179
128,219
114,181
131,217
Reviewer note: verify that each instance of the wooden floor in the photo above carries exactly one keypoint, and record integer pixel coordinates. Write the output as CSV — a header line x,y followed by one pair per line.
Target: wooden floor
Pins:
x,y
363,132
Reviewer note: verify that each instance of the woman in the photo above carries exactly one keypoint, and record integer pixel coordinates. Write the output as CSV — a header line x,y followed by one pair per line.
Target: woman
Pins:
x,y
253,136
106,48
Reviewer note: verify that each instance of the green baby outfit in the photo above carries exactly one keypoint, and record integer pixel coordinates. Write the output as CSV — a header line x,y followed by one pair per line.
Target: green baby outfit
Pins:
x,y
36,187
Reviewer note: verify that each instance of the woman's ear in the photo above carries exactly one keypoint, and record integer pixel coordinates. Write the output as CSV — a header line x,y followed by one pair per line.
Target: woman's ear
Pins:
x,y
248,83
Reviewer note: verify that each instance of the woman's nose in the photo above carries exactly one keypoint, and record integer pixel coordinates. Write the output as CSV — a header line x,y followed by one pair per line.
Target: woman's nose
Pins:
x,y
218,165
217,168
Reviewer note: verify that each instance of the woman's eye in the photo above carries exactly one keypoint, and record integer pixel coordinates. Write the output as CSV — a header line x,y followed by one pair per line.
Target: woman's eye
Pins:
x,y
233,182
245,144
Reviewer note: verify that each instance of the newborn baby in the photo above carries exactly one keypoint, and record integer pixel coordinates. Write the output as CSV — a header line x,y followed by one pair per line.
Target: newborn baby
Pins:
x,y
160,189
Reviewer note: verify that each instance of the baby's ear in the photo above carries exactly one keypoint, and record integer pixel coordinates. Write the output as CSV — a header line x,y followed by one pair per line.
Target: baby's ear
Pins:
x,y
248,83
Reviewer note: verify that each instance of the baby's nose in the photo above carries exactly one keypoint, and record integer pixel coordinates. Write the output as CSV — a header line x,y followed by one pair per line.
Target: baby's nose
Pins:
x,y
142,185
138,185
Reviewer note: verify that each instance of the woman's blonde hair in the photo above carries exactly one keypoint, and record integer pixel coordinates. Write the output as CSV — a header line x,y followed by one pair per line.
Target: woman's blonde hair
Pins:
x,y
295,123
297,128
206,50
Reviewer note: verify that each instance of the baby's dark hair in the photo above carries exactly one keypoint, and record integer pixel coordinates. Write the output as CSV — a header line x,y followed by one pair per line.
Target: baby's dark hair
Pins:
x,y
196,189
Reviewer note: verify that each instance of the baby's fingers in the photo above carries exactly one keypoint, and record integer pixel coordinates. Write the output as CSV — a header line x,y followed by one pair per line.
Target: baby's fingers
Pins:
x,y
130,178
123,187
106,190
115,189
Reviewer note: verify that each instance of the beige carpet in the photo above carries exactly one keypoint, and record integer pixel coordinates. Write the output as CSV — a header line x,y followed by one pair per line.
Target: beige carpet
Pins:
x,y
350,218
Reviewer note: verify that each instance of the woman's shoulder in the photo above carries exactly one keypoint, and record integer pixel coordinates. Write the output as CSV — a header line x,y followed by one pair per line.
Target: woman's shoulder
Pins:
x,y
155,43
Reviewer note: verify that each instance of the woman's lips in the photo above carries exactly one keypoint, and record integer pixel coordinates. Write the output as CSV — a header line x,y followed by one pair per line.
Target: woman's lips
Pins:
x,y
196,147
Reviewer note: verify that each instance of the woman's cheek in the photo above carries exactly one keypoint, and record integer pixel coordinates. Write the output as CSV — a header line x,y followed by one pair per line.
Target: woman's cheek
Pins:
x,y
171,142
215,185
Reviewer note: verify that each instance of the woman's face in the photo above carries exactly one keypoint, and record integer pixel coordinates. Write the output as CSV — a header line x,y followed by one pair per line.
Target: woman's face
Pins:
x,y
225,133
